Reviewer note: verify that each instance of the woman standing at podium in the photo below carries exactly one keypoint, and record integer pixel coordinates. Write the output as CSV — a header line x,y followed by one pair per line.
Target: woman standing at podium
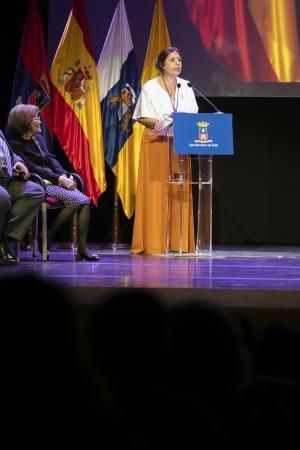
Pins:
x,y
160,97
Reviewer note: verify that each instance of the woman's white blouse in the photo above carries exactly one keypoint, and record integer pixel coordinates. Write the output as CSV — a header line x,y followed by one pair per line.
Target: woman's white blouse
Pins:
x,y
154,102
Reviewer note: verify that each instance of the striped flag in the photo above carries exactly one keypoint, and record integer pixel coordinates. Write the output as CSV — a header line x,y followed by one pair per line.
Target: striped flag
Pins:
x,y
31,82
250,40
76,107
158,40
119,90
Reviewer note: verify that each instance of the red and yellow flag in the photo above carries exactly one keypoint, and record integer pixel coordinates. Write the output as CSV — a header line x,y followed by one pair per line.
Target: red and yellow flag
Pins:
x,y
76,106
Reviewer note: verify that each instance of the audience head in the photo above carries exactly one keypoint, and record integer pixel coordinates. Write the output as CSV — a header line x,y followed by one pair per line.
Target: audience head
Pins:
x,y
278,352
39,359
21,118
127,331
208,354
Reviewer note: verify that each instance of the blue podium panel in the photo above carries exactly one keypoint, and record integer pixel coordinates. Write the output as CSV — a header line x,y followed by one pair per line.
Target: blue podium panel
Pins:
x,y
203,134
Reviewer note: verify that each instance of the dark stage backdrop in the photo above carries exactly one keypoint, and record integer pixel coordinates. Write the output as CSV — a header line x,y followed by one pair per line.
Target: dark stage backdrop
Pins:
x,y
256,191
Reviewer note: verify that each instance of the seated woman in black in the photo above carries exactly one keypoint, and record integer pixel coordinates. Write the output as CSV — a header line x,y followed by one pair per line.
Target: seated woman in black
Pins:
x,y
26,141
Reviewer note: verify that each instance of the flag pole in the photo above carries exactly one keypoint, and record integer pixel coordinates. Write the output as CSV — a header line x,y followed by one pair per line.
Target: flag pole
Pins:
x,y
116,221
115,243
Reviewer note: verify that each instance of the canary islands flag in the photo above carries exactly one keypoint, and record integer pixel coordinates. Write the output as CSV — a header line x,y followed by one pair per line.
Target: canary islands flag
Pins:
x,y
31,82
119,89
76,107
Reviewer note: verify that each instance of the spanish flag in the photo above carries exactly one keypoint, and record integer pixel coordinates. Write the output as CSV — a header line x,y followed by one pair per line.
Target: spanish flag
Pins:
x,y
76,106
158,40
250,40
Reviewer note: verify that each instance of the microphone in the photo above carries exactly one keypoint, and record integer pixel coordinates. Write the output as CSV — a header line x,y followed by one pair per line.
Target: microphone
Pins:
x,y
178,85
205,98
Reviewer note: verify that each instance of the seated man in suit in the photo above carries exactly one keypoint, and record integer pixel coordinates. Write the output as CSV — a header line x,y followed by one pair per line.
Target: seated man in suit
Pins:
x,y
19,200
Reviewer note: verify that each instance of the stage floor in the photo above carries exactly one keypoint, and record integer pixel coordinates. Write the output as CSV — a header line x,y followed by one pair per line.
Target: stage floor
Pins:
x,y
253,276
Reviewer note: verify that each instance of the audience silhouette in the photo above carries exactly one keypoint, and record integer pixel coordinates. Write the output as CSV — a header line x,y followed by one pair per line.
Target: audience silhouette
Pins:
x,y
141,375
128,334
46,398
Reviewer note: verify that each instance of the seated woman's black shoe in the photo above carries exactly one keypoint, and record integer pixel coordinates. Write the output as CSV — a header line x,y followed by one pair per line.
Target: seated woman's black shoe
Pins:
x,y
7,258
86,257
11,257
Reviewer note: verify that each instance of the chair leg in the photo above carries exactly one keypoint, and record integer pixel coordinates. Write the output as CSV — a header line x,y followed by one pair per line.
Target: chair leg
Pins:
x,y
44,232
35,236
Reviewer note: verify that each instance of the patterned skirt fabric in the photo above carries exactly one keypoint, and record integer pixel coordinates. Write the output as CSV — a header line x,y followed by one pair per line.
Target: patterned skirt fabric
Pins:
x,y
67,197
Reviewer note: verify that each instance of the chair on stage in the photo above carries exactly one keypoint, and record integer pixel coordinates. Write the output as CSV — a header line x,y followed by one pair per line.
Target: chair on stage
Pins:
x,y
50,203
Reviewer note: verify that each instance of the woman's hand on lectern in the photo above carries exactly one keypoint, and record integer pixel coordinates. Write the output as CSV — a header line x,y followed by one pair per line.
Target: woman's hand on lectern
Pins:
x,y
159,125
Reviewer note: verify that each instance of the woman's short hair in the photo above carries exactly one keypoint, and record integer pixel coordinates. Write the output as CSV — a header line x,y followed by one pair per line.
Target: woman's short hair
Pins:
x,y
20,118
160,62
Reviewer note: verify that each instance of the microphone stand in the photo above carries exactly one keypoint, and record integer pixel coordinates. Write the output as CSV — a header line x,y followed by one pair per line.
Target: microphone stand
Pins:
x,y
205,98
